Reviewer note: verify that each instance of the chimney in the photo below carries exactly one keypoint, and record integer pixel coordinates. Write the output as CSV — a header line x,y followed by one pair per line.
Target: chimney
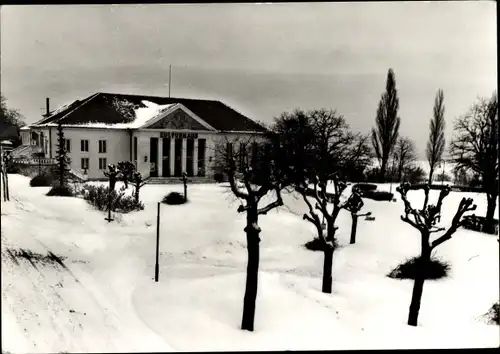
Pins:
x,y
47,105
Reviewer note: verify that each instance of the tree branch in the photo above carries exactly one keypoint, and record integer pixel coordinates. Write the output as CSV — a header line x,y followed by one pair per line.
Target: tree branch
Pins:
x,y
464,206
234,187
278,202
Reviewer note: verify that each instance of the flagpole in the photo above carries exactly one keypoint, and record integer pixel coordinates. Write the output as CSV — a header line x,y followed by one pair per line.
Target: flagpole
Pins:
x,y
169,79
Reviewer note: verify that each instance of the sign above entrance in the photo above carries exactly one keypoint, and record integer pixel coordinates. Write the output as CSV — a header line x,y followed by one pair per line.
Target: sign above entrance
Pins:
x,y
178,135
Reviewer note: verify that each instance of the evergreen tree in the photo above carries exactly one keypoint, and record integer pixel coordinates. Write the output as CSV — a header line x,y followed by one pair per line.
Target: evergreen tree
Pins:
x,y
63,161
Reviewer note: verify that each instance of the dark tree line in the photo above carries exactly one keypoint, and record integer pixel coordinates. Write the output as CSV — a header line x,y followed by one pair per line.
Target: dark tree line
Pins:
x,y
474,148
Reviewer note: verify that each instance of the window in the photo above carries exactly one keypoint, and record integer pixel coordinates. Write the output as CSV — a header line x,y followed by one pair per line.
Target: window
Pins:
x,y
84,145
102,163
201,157
67,145
102,146
85,163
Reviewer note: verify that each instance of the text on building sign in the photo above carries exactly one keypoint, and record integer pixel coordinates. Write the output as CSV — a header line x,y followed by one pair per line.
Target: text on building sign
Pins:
x,y
176,135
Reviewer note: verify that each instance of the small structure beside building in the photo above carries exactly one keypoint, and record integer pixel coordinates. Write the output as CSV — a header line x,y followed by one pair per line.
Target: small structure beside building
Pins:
x,y
164,137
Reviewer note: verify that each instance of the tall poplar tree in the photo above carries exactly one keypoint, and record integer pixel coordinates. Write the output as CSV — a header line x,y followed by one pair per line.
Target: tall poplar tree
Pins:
x,y
385,133
436,142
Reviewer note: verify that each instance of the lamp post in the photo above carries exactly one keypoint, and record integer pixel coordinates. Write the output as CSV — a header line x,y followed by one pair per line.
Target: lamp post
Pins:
x,y
157,264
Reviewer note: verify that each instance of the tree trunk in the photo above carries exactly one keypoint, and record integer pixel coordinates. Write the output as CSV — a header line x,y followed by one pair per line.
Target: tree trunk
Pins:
x,y
112,183
136,194
4,185
252,231
430,174
327,270
382,170
7,185
353,228
418,286
61,174
489,225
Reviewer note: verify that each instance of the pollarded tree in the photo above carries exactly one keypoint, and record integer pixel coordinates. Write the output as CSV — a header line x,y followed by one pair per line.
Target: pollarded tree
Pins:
x,y
354,205
127,169
436,142
113,173
385,134
425,220
474,148
317,148
138,183
249,166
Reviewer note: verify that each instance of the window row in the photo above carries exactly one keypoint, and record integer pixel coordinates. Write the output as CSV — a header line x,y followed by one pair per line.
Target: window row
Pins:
x,y
84,146
84,165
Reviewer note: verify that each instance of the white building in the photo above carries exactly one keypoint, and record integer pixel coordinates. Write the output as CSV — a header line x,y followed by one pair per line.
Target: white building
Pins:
x,y
163,136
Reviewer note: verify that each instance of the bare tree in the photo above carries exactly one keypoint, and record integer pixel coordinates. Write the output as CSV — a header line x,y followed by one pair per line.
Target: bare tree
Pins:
x,y
475,148
138,182
385,134
126,169
405,154
317,148
425,220
322,199
113,173
354,205
250,167
436,142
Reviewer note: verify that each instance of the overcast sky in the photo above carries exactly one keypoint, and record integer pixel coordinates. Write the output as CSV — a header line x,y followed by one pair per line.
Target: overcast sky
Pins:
x,y
261,59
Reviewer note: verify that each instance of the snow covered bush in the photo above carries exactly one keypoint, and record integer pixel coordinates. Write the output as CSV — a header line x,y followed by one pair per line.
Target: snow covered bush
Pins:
x,y
98,196
478,223
43,180
58,191
433,269
317,244
174,198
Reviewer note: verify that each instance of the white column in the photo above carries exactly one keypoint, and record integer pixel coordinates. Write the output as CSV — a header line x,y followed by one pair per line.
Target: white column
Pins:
x,y
159,168
195,158
184,155
172,156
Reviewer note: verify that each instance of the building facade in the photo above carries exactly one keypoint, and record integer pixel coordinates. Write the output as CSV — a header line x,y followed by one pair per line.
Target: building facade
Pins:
x,y
163,137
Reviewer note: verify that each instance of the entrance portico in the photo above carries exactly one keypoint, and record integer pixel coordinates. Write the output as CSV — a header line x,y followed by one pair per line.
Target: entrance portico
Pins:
x,y
171,153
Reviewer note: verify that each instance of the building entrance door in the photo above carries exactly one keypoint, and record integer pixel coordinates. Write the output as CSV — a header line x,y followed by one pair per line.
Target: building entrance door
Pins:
x,y
166,157
178,158
153,157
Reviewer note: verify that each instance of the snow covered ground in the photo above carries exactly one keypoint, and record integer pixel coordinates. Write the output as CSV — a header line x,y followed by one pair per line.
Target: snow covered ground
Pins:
x,y
102,297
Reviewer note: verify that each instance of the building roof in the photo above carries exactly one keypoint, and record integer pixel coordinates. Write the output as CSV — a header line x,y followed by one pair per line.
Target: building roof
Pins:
x,y
121,109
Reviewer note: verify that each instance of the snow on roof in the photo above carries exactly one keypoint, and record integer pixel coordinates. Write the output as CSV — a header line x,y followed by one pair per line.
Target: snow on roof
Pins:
x,y
142,116
25,128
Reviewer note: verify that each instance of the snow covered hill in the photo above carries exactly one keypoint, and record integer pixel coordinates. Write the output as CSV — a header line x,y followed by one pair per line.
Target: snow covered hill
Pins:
x,y
87,285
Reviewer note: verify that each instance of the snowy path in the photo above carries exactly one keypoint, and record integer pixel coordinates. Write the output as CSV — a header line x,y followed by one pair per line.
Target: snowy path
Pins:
x,y
63,308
